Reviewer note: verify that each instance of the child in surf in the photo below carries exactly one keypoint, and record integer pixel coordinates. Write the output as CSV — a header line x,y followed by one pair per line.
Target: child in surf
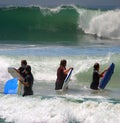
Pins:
x,y
96,76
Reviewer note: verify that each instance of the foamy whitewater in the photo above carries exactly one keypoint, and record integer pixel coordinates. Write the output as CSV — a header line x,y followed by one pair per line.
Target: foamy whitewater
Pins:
x,y
79,103
45,35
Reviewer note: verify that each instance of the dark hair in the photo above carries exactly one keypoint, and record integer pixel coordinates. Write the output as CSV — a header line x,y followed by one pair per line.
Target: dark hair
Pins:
x,y
28,68
96,66
63,62
24,62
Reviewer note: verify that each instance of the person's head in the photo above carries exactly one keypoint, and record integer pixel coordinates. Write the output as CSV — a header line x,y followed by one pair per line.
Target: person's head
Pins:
x,y
23,63
28,69
96,66
63,63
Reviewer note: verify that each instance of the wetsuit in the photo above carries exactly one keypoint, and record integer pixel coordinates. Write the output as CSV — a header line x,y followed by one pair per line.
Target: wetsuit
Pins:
x,y
60,78
28,90
21,70
95,81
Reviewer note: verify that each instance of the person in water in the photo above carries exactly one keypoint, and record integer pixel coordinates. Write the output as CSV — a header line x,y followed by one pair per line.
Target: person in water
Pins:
x,y
61,74
28,82
96,76
22,68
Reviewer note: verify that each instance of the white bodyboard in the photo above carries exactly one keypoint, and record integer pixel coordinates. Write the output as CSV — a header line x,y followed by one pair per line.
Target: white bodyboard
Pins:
x,y
67,80
15,74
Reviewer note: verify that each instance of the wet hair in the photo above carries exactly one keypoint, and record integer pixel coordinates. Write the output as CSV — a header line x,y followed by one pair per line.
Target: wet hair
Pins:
x,y
28,68
96,66
24,62
63,62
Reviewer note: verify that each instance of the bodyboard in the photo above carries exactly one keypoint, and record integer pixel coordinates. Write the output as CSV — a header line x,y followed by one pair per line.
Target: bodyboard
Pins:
x,y
67,80
20,88
14,73
13,86
107,76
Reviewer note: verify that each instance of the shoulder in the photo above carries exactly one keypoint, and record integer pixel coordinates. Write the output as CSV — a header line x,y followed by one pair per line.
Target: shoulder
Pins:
x,y
96,73
29,76
61,68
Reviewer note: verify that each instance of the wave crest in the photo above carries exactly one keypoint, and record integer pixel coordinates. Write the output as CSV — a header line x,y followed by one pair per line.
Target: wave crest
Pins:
x,y
33,22
106,25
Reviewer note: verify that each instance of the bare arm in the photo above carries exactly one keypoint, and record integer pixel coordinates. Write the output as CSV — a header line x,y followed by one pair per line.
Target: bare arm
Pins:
x,y
67,70
25,83
17,70
101,75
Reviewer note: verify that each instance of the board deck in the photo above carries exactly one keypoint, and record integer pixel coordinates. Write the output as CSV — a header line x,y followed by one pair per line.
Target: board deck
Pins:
x,y
107,76
11,86
67,80
14,73
14,86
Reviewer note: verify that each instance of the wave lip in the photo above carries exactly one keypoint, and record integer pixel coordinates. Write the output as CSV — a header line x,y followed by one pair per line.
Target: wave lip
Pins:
x,y
105,25
36,23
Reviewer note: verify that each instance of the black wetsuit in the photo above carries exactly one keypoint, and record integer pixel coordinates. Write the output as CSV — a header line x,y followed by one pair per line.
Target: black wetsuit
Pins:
x,y
28,90
21,70
95,81
60,78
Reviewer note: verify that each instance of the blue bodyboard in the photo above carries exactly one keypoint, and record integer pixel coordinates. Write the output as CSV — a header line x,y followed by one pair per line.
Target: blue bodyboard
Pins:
x,y
67,79
107,76
11,86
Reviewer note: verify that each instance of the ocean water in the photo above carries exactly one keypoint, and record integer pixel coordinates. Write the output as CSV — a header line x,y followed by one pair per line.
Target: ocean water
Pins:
x,y
45,35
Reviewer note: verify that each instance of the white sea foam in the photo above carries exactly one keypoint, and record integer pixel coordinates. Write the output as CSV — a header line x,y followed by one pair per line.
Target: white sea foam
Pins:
x,y
45,67
78,104
51,110
101,23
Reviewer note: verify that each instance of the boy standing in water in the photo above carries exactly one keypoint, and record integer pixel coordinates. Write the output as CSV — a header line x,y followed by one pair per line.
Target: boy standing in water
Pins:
x,y
96,76
61,74
28,82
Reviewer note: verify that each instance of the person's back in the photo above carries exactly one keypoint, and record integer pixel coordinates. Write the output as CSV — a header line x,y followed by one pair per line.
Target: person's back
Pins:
x,y
95,81
28,83
96,76
28,89
61,74
60,78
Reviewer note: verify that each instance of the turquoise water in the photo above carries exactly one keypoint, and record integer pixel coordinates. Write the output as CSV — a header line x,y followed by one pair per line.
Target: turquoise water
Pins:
x,y
44,36
62,23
